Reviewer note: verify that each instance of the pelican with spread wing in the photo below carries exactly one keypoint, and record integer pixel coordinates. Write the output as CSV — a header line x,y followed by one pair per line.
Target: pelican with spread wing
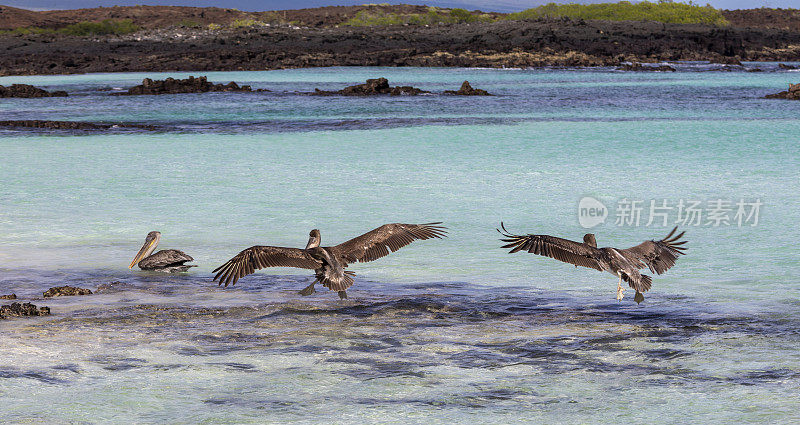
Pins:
x,y
328,262
166,260
658,256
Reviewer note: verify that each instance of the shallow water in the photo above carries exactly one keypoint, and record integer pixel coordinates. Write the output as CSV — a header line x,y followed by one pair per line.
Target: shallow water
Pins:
x,y
440,331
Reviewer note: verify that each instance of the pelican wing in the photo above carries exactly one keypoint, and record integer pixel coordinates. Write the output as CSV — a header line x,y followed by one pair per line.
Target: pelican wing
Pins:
x,y
658,256
385,239
576,253
165,258
259,257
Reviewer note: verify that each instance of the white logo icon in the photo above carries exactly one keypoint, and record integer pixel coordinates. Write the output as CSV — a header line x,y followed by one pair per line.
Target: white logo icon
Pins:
x,y
591,212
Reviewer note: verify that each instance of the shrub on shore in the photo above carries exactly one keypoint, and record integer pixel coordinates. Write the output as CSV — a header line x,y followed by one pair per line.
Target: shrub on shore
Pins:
x,y
665,11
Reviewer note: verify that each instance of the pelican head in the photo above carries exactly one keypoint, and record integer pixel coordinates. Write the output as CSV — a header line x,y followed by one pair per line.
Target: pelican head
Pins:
x,y
314,239
150,244
588,239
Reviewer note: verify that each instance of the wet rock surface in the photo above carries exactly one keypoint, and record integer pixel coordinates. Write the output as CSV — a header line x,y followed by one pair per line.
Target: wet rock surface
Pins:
x,y
727,61
8,297
467,90
187,85
22,309
372,87
638,67
786,67
28,91
792,94
65,291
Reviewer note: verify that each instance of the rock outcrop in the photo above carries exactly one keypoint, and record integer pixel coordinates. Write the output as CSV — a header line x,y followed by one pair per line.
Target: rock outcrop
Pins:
x,y
727,60
8,297
786,67
792,94
19,310
188,85
28,91
467,90
636,66
65,291
372,87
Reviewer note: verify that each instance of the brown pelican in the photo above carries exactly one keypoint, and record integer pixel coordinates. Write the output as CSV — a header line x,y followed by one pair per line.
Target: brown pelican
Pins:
x,y
658,256
166,260
328,262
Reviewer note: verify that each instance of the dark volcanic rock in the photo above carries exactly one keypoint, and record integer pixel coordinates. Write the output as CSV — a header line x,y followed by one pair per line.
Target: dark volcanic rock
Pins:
x,y
372,87
188,85
70,125
25,90
792,94
467,90
8,297
64,291
636,66
505,43
26,309
787,67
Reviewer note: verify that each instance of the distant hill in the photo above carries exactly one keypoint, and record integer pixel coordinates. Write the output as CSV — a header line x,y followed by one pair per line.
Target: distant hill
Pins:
x,y
150,17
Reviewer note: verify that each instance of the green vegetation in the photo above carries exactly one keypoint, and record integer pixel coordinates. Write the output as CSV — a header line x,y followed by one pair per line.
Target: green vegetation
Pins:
x,y
664,11
434,16
189,23
106,27
247,23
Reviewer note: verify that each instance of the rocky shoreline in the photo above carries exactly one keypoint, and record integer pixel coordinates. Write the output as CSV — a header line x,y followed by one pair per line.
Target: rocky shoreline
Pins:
x,y
535,43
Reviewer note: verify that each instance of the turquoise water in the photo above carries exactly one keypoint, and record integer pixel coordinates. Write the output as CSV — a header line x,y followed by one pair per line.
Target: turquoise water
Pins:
x,y
440,331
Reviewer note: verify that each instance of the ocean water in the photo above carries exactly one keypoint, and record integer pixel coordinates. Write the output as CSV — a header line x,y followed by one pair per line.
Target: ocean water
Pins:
x,y
442,330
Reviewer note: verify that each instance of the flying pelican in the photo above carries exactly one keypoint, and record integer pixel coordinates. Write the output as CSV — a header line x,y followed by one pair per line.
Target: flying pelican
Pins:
x,y
166,260
328,262
658,256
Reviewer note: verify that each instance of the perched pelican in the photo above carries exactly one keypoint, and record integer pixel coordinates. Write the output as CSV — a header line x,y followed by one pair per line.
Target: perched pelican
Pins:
x,y
658,256
166,260
328,262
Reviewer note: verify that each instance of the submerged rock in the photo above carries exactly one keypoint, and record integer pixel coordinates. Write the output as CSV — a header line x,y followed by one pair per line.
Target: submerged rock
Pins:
x,y
467,90
8,297
115,286
19,310
372,87
787,67
71,125
792,94
636,66
188,85
65,291
28,91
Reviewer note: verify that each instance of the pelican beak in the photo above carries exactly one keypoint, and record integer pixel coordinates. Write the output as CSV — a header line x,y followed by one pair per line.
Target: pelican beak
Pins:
x,y
310,242
148,244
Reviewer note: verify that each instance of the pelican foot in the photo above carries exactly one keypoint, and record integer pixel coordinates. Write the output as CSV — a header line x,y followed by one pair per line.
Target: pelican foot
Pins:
x,y
620,293
343,295
308,290
639,297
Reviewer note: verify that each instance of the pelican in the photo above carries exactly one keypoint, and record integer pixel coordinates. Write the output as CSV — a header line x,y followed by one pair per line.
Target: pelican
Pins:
x,y
328,262
658,256
166,260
